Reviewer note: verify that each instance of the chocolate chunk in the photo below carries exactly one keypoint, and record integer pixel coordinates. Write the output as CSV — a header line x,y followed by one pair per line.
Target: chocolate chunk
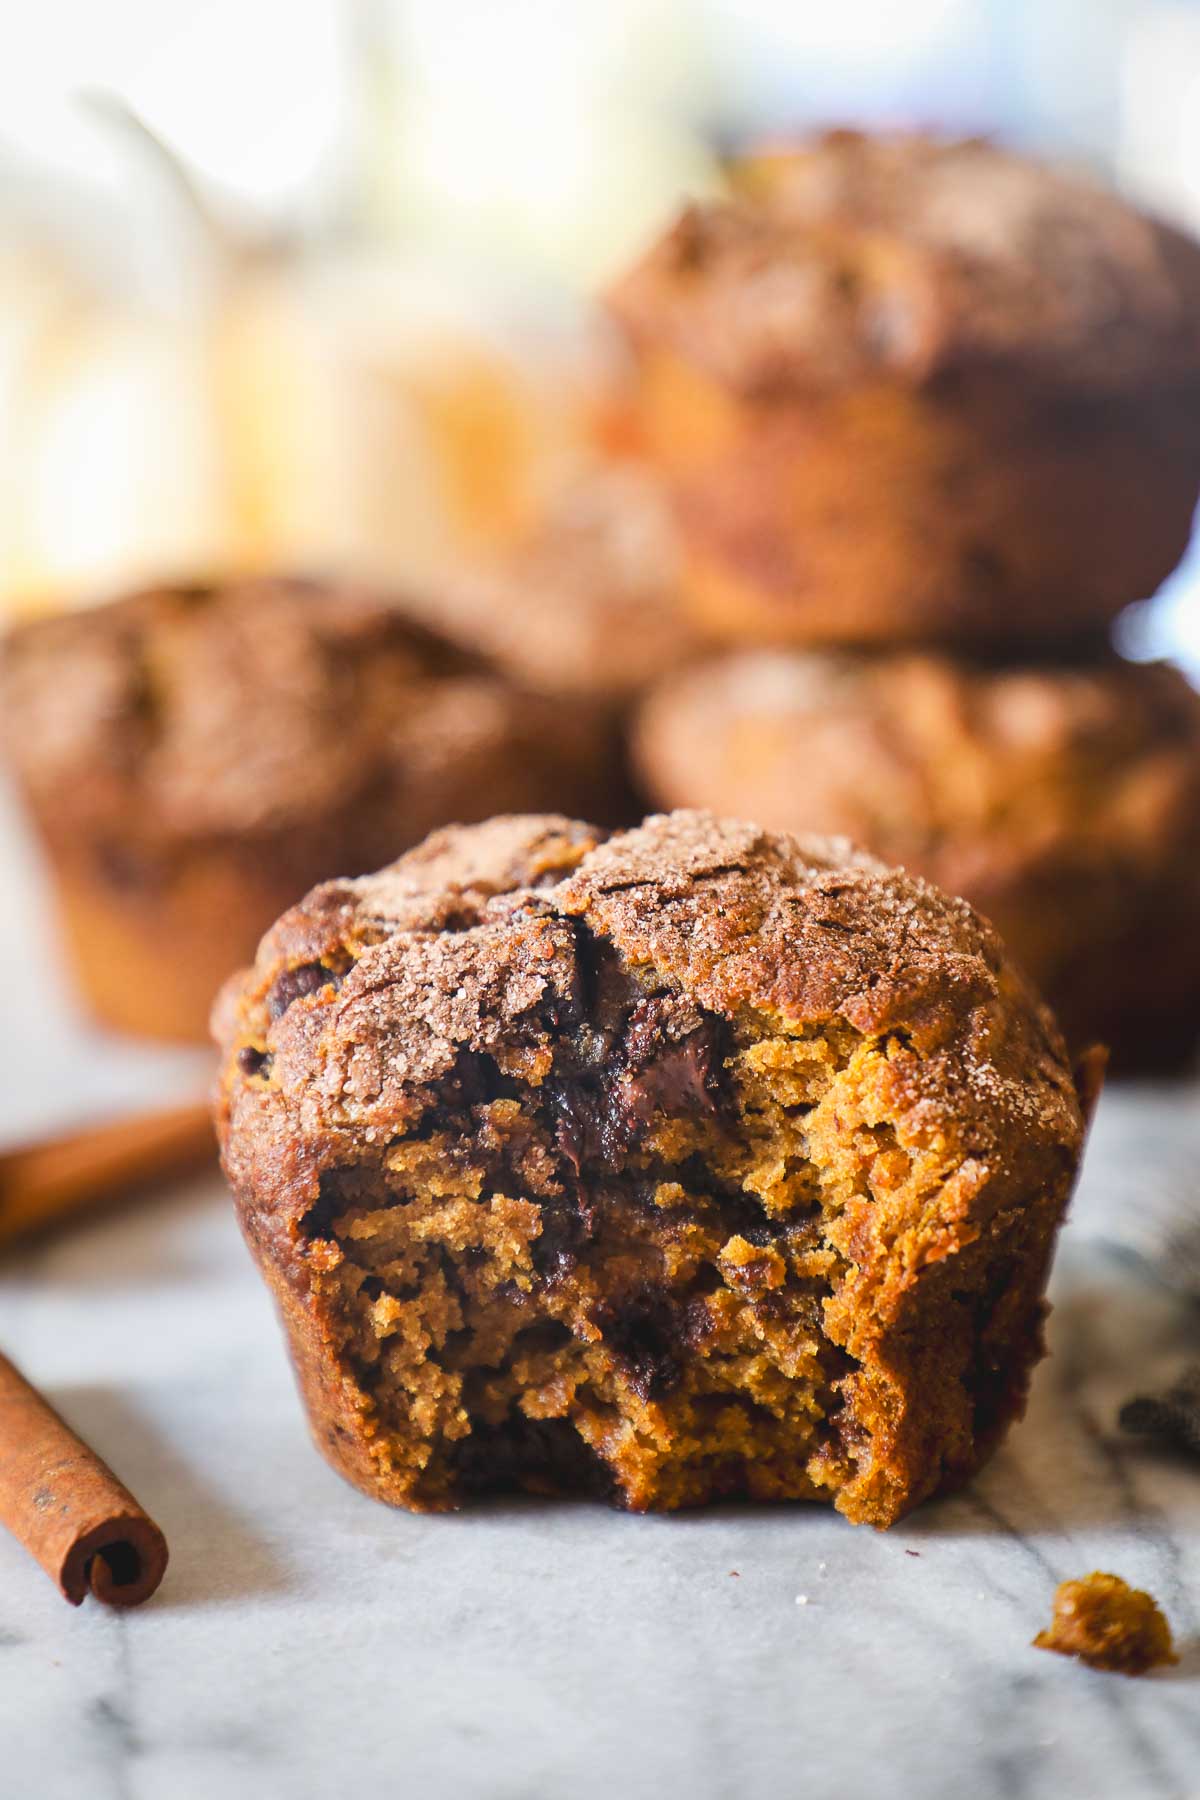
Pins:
x,y
646,1030
670,1075
337,1191
644,1333
697,1321
541,1455
294,984
252,1061
588,1127
475,1081
658,1067
576,1123
567,1229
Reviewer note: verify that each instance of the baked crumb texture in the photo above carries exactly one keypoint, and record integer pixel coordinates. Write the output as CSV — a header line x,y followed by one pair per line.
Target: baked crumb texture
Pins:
x,y
1108,1624
687,1164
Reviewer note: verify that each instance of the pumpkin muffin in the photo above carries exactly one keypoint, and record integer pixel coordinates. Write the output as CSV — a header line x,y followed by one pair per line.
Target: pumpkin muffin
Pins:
x,y
196,757
682,1164
587,604
907,389
1062,801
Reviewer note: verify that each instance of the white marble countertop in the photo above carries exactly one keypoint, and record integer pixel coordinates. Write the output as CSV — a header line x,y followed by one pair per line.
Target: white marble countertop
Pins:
x,y
307,1643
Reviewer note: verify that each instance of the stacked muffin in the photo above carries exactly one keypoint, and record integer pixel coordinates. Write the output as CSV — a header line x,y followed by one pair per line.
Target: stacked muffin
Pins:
x,y
195,758
930,417
585,606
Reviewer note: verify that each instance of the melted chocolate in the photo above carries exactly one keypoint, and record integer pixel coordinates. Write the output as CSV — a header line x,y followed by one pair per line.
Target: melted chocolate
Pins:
x,y
645,1333
539,1455
294,984
652,1058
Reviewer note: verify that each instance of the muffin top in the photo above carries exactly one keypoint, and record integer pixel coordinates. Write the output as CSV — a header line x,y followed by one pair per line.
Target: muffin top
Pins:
x,y
490,940
256,707
904,257
588,603
934,760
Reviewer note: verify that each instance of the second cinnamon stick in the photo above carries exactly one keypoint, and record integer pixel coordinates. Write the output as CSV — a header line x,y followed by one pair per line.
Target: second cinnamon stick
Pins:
x,y
46,1183
67,1507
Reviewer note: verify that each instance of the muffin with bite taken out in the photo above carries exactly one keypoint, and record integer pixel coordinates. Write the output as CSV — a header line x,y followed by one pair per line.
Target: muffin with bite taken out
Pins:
x,y
681,1164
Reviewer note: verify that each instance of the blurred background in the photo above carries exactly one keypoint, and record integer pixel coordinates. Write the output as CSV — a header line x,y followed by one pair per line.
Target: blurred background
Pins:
x,y
307,285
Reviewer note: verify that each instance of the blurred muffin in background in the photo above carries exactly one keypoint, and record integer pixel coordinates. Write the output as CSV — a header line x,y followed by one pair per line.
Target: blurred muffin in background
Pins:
x,y
587,604
1064,802
195,758
910,390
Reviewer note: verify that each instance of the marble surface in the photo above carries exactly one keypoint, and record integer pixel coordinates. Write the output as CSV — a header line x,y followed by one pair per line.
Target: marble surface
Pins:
x,y
308,1643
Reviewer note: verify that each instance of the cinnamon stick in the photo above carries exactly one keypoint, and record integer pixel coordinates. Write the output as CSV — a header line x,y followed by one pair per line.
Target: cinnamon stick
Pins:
x,y
68,1508
40,1184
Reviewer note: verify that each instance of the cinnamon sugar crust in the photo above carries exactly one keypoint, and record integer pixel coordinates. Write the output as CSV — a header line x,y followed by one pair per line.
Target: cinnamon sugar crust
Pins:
x,y
270,710
854,255
686,1163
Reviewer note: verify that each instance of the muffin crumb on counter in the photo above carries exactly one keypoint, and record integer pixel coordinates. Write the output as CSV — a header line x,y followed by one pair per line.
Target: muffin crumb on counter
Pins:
x,y
1109,1625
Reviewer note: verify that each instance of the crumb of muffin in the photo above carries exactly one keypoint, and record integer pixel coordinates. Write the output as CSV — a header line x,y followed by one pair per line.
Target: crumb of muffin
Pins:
x,y
1109,1625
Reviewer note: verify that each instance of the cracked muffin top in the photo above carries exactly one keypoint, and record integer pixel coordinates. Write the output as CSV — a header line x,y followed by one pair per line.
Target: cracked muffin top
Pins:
x,y
255,707
906,257
923,755
471,942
